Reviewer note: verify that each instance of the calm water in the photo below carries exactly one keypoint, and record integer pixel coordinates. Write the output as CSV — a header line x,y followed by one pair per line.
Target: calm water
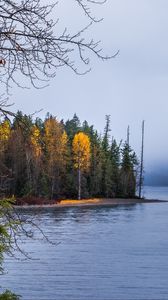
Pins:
x,y
156,192
104,253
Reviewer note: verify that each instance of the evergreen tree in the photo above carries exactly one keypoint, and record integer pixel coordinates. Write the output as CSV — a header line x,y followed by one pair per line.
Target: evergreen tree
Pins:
x,y
95,178
127,172
115,164
107,165
105,142
72,127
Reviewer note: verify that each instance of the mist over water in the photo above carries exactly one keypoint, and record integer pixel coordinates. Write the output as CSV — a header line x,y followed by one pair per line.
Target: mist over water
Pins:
x,y
156,174
155,192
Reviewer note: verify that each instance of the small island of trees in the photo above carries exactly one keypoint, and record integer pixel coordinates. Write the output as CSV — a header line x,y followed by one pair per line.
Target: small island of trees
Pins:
x,y
55,160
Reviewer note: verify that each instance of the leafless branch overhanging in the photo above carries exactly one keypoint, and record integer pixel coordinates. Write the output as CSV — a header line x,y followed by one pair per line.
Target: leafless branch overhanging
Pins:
x,y
28,44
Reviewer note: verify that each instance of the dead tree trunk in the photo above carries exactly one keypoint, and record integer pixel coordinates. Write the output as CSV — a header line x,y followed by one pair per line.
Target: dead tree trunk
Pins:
x,y
128,135
142,161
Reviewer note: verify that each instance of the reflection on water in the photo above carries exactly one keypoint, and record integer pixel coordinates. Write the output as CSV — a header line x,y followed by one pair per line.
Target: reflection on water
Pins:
x,y
105,253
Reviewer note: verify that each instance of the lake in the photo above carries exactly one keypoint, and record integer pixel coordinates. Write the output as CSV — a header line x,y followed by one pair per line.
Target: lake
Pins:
x,y
100,253
156,192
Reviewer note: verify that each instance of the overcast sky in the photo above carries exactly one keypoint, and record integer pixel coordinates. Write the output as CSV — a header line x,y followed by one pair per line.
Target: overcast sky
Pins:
x,y
131,87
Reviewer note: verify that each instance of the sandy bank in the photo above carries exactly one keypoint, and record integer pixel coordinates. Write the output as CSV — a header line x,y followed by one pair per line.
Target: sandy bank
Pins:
x,y
95,202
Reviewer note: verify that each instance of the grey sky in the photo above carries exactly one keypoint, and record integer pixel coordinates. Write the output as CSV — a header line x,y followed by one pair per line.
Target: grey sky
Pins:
x,y
131,87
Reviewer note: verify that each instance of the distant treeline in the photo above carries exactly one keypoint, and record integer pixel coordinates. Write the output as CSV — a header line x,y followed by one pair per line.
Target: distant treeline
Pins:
x,y
59,160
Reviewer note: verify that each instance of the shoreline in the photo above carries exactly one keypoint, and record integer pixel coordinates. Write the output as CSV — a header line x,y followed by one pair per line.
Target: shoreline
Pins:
x,y
92,202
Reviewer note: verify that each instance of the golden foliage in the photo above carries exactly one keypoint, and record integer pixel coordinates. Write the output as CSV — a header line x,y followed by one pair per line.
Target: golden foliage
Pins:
x,y
35,141
52,137
56,141
81,151
64,139
5,131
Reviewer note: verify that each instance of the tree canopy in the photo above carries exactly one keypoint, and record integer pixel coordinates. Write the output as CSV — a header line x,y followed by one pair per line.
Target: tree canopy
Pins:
x,y
53,154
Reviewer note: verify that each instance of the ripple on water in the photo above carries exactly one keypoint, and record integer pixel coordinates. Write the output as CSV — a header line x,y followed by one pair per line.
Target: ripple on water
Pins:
x,y
104,253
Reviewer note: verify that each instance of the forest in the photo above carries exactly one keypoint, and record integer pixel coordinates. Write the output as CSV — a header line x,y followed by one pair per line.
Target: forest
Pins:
x,y
64,160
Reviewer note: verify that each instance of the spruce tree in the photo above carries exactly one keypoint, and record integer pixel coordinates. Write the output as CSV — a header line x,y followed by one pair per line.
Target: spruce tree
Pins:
x,y
127,173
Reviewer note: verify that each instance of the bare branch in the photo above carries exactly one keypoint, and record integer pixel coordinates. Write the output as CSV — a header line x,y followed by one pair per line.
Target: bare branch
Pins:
x,y
29,46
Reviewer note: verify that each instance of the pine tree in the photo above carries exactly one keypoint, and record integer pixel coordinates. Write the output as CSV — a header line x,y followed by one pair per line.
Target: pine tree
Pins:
x,y
96,164
127,173
105,142
107,166
115,163
72,127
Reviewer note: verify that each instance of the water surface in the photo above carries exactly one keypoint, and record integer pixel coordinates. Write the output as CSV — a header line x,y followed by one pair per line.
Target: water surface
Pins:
x,y
156,192
105,253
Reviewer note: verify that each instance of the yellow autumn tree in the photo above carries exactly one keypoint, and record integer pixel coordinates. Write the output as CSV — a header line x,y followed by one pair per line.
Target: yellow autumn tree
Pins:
x,y
81,156
36,156
36,141
5,131
55,139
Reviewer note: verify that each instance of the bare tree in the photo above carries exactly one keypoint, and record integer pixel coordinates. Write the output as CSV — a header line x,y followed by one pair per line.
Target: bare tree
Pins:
x,y
28,44
141,175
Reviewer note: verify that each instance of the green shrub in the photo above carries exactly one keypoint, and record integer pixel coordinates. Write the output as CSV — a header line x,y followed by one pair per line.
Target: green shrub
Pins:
x,y
7,295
